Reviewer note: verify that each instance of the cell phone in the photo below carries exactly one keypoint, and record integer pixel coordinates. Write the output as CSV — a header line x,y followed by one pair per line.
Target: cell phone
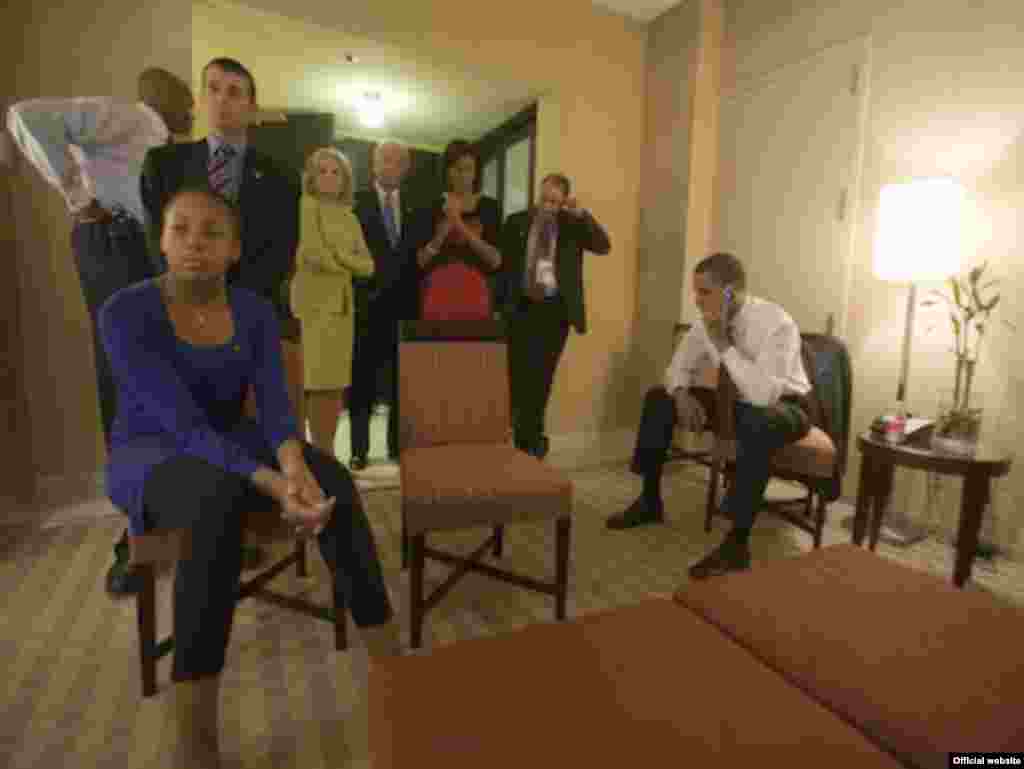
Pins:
x,y
726,302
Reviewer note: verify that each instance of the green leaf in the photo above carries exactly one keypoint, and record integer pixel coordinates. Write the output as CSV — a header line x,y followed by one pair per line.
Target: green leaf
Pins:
x,y
955,285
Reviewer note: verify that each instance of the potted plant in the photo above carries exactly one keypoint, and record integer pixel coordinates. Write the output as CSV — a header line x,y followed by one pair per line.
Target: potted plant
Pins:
x,y
959,419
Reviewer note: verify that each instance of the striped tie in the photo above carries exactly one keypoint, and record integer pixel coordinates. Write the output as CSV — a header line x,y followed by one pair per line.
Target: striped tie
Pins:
x,y
220,169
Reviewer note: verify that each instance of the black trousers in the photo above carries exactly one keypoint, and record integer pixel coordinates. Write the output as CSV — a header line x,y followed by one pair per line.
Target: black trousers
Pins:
x,y
109,256
537,332
657,424
189,492
375,350
760,432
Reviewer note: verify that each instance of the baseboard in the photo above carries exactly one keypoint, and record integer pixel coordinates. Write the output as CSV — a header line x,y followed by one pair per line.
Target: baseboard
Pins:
x,y
572,451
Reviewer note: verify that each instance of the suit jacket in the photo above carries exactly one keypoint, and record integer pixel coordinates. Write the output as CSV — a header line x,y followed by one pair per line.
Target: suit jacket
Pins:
x,y
575,235
390,291
268,199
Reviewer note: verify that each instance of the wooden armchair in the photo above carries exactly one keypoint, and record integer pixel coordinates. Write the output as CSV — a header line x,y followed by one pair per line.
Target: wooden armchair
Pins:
x,y
459,469
817,462
261,526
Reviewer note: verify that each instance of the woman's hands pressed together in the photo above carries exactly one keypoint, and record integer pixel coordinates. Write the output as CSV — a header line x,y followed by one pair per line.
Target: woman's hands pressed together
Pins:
x,y
302,500
295,489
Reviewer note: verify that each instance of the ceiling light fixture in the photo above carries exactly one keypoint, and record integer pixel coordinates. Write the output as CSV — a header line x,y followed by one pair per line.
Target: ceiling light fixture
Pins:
x,y
371,110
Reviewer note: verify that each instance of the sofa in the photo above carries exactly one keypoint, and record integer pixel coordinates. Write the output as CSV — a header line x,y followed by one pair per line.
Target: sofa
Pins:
x,y
838,658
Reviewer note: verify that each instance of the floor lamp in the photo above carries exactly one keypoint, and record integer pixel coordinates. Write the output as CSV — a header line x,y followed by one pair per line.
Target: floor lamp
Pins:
x,y
917,240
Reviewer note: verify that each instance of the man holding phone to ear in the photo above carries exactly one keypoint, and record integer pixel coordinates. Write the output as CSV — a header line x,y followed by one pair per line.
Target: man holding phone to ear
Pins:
x,y
757,346
542,251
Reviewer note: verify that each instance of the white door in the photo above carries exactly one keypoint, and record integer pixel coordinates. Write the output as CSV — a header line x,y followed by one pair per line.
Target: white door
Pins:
x,y
788,175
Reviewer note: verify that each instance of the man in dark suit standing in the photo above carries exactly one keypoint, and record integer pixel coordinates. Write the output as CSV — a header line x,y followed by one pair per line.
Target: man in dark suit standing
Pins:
x,y
383,299
543,260
267,194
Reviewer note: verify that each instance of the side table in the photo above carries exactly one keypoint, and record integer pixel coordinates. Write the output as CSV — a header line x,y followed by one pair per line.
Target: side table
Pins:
x,y
878,461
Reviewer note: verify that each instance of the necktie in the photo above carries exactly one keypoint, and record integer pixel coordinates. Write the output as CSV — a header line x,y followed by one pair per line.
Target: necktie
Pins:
x,y
220,169
542,250
389,217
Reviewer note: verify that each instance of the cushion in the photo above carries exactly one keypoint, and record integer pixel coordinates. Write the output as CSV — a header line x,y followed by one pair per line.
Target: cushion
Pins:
x,y
453,392
920,666
649,685
813,455
466,485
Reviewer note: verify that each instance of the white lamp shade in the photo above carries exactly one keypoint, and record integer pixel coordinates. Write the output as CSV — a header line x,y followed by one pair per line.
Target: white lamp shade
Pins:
x,y
918,236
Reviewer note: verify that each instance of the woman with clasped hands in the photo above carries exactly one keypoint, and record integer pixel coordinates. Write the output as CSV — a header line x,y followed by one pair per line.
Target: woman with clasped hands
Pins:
x,y
462,252
184,349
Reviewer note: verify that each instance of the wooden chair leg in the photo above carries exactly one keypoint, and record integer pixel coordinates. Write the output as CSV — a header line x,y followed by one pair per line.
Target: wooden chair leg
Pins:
x,y
819,523
563,529
499,540
145,612
712,500
418,557
300,558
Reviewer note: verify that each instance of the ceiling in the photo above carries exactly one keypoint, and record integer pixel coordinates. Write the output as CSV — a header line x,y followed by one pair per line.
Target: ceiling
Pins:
x,y
641,10
305,69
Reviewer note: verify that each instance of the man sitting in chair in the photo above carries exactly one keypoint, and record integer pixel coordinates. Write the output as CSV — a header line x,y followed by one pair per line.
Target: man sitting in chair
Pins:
x,y
757,344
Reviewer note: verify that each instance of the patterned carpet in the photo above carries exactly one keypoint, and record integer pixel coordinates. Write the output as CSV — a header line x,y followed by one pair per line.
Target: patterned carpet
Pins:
x,y
72,696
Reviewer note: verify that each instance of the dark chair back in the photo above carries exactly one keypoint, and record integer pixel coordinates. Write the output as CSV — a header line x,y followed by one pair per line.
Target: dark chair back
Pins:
x,y
827,363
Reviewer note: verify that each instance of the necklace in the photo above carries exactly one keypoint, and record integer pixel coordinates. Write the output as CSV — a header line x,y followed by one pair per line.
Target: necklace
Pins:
x,y
199,315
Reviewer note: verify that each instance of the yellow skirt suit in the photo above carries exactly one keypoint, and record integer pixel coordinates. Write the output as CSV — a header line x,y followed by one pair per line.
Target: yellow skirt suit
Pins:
x,y
331,251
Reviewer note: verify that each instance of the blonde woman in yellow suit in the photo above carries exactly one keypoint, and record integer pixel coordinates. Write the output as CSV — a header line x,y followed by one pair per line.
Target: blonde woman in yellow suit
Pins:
x,y
331,251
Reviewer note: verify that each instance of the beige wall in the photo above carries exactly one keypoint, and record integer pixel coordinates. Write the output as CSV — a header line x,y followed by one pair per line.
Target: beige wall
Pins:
x,y
60,50
589,67
944,98
665,197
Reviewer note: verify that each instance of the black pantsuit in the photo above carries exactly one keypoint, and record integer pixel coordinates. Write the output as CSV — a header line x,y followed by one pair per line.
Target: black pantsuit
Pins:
x,y
109,255
537,332
189,492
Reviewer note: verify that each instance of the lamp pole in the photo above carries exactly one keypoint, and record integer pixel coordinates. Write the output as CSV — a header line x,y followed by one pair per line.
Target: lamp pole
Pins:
x,y
908,337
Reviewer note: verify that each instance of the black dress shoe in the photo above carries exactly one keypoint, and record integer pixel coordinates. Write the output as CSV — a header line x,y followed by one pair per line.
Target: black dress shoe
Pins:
x,y
358,463
122,580
728,556
639,513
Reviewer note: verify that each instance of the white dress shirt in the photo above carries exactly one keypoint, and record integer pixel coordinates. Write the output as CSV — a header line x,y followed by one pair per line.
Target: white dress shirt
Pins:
x,y
89,147
764,362
396,205
543,265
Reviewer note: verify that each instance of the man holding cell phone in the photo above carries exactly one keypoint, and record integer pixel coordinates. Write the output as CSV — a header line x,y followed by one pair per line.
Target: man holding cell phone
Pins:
x,y
542,256
757,348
